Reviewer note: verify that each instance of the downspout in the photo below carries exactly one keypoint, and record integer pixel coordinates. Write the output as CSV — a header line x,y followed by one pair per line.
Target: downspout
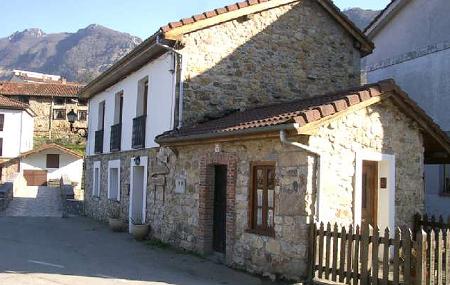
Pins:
x,y
50,123
21,131
179,59
317,170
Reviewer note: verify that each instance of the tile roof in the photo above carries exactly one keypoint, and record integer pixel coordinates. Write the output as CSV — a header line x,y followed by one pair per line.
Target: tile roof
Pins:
x,y
8,103
40,89
50,146
211,14
303,112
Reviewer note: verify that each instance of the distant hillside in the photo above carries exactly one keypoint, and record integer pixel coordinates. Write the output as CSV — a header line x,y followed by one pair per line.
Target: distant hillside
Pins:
x,y
78,56
361,17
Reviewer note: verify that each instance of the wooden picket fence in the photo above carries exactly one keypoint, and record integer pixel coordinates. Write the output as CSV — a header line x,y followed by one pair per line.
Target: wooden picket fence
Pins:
x,y
368,256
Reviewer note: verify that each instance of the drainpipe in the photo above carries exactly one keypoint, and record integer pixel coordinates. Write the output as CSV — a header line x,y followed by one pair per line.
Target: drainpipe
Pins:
x,y
317,170
177,56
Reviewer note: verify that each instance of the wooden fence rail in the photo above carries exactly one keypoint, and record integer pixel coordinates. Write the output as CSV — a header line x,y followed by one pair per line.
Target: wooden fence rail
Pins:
x,y
367,256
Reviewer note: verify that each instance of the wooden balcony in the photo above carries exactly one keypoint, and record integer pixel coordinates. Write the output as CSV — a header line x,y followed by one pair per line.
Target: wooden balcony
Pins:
x,y
138,138
116,137
99,141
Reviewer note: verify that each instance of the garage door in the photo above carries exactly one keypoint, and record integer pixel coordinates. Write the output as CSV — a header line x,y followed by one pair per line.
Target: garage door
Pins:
x,y
35,177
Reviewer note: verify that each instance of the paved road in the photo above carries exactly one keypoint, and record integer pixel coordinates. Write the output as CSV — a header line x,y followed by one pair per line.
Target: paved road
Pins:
x,y
79,251
34,201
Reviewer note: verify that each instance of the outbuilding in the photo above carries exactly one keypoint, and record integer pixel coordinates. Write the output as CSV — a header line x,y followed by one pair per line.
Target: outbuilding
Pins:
x,y
49,162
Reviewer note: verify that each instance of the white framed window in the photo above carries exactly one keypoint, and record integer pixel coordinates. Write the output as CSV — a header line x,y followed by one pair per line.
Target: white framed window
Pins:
x,y
114,180
96,179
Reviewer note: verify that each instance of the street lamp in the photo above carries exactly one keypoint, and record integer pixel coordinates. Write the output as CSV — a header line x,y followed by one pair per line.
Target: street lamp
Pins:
x,y
72,117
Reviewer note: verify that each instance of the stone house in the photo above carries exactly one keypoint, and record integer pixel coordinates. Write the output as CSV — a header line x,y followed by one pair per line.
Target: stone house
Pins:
x,y
50,102
252,150
417,58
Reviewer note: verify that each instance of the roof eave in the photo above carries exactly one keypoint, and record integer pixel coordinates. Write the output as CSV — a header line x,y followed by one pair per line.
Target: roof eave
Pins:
x,y
131,62
196,138
384,17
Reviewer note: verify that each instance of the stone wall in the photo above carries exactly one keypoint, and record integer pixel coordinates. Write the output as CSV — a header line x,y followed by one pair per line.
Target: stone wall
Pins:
x,y
293,51
180,219
44,124
9,168
380,128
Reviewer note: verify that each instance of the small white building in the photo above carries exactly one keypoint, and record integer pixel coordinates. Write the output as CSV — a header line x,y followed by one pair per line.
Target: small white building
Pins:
x,y
16,128
51,162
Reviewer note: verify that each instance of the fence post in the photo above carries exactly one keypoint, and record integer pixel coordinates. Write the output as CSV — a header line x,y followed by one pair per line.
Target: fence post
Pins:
x,y
447,255
432,254
335,252
421,262
364,254
312,252
342,255
439,256
407,251
386,240
396,244
375,254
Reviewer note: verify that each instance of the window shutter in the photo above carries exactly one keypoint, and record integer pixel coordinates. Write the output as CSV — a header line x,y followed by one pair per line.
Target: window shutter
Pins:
x,y
2,121
1,146
52,160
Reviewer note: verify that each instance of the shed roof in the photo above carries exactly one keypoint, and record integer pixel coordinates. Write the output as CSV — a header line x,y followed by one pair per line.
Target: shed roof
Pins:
x,y
305,112
50,146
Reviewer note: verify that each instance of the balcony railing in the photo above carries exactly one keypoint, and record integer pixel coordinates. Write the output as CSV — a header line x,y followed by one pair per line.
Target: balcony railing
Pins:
x,y
116,137
99,141
138,138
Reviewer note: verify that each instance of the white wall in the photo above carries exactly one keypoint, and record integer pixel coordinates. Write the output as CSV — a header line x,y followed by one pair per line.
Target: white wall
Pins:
x,y
17,132
414,49
69,166
160,105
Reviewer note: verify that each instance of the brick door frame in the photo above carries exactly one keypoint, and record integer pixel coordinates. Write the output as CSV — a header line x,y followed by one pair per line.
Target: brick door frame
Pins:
x,y
206,201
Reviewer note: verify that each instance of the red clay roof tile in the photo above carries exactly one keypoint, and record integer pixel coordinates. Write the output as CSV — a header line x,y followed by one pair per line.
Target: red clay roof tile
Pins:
x,y
299,111
39,89
8,103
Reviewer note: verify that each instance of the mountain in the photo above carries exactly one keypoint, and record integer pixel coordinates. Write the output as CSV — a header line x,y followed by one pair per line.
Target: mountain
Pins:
x,y
78,56
361,17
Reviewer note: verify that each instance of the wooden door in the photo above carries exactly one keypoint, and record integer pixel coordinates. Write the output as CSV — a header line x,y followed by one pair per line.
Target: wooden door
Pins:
x,y
35,177
369,203
220,198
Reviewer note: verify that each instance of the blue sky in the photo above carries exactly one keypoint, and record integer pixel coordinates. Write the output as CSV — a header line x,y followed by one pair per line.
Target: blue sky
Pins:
x,y
137,17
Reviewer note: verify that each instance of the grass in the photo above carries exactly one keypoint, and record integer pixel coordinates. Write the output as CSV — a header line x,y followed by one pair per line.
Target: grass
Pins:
x,y
78,147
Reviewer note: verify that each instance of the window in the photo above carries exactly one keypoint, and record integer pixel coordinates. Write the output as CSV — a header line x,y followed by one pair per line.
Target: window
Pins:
x,y
114,180
141,106
2,121
1,146
82,102
96,180
23,99
101,116
59,101
52,160
118,108
446,182
82,115
263,198
59,114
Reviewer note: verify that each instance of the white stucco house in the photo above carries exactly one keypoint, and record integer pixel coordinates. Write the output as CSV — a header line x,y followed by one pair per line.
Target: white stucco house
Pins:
x,y
16,128
413,47
51,162
16,134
